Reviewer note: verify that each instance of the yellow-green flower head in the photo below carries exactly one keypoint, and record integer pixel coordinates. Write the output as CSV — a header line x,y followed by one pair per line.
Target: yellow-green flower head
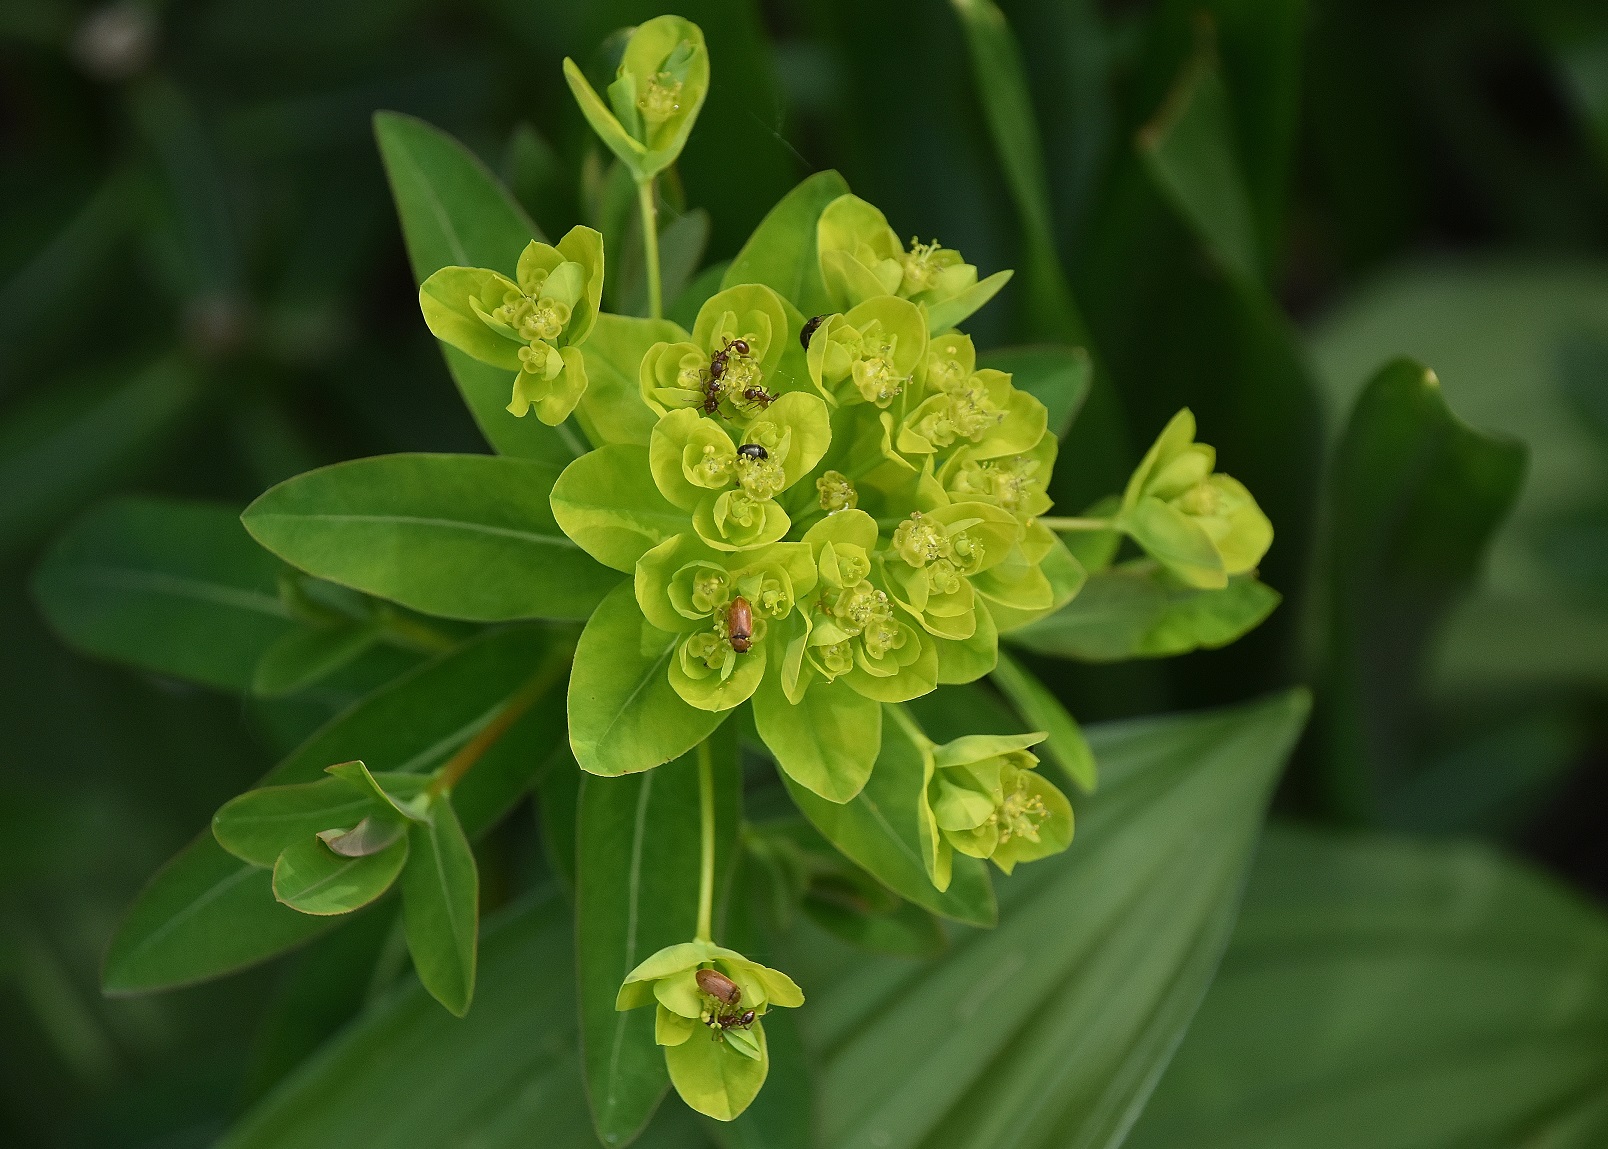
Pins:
x,y
850,628
532,324
934,556
730,485
715,1052
725,606
963,406
869,354
1015,483
737,361
985,798
1201,525
655,97
862,258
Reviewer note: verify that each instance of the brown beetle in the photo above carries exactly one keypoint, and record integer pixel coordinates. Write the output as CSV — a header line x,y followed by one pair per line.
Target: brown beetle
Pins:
x,y
740,625
809,329
718,986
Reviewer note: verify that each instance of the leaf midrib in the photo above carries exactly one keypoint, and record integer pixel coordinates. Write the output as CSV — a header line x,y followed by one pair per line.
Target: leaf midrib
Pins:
x,y
425,521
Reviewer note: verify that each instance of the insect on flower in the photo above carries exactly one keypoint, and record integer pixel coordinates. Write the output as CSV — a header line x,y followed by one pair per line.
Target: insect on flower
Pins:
x,y
718,986
717,361
756,397
740,633
810,325
753,451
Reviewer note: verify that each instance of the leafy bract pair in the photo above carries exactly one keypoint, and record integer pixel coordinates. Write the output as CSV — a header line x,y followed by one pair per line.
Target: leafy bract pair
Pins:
x,y
340,843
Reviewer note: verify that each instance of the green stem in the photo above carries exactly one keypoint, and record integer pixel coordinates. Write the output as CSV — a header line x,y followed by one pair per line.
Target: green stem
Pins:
x,y
706,861
650,246
1064,525
912,728
546,677
414,634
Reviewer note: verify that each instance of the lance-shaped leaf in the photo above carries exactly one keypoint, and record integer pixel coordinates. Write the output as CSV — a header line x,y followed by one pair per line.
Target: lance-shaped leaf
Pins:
x,y
1051,1029
879,829
455,213
1384,991
636,891
258,825
783,254
1138,610
310,655
176,588
441,906
208,913
311,877
624,715
460,536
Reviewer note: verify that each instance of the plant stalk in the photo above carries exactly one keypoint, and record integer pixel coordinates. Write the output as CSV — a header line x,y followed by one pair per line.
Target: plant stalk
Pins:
x,y
471,752
650,246
706,861
1064,525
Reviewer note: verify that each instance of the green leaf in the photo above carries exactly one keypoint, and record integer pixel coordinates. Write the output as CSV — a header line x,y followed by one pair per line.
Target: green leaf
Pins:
x,y
1060,1020
1417,496
407,1075
612,410
460,536
258,825
1058,377
827,742
75,440
207,913
624,715
1138,610
455,213
441,906
1495,330
879,831
1065,744
1385,991
306,656
1188,149
609,504
176,588
313,879
782,252
636,892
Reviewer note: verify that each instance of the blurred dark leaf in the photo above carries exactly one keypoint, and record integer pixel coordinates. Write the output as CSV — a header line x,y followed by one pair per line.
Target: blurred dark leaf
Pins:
x,y
1052,1028
1416,497
1382,992
70,443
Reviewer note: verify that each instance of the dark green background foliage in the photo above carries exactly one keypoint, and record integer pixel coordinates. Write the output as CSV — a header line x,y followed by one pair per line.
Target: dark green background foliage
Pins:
x,y
1366,242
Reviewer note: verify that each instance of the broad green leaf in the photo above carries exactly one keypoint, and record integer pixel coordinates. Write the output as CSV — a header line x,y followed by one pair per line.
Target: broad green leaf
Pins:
x,y
612,410
636,892
1494,330
878,829
1139,611
1383,992
609,504
782,252
75,440
407,1075
258,825
207,913
308,655
1416,498
441,906
827,742
1058,377
1188,149
1051,1029
1065,744
176,588
313,879
461,536
624,715
455,213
